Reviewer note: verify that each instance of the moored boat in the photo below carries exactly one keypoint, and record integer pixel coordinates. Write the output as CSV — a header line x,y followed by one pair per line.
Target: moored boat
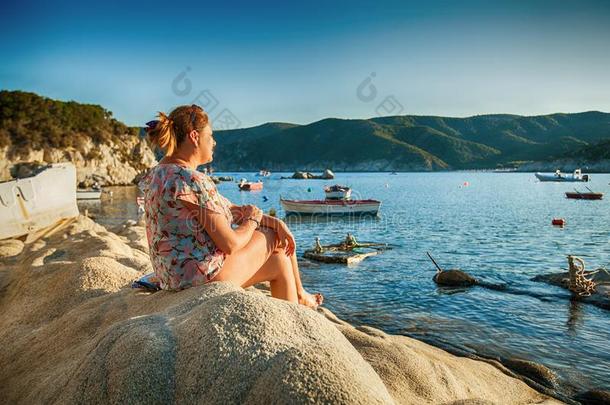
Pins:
x,y
330,207
558,176
264,173
337,192
250,186
576,195
88,194
32,203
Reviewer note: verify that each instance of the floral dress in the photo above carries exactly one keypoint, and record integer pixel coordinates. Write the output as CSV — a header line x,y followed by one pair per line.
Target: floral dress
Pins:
x,y
182,253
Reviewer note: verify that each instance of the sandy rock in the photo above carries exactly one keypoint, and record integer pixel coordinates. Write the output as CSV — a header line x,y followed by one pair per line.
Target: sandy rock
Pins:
x,y
10,247
72,331
107,164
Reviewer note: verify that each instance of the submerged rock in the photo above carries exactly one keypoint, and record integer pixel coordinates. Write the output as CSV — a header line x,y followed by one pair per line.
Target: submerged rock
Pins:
x,y
594,397
535,371
454,278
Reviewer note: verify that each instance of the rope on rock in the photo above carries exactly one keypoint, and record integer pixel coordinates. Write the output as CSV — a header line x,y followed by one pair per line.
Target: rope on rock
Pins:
x,y
579,283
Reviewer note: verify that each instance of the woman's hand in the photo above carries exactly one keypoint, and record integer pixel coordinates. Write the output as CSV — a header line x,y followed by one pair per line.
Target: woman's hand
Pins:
x,y
251,211
285,238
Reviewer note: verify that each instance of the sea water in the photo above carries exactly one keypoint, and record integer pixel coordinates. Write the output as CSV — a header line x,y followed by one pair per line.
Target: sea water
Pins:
x,y
495,226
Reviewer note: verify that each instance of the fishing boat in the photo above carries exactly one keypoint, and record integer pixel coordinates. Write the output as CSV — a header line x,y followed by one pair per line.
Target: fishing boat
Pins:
x,y
558,176
36,202
577,195
337,192
330,207
250,186
347,252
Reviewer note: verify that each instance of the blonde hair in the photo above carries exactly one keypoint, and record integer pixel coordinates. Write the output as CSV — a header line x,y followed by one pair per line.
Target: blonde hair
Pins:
x,y
171,130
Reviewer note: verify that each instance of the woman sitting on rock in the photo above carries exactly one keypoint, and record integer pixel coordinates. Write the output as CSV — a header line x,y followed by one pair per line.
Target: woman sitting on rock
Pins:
x,y
189,224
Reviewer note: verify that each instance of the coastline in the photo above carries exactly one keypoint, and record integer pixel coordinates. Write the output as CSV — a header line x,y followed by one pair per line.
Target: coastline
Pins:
x,y
74,331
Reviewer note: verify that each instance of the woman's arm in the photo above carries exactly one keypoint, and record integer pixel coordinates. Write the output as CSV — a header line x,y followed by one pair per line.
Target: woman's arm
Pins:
x,y
227,239
271,222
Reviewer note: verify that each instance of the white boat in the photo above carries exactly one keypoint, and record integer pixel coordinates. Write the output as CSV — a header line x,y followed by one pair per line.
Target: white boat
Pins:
x,y
337,192
563,177
88,194
331,207
36,202
264,173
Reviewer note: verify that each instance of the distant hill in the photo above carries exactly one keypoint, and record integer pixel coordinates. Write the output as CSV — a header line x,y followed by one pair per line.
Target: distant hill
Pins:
x,y
411,142
58,130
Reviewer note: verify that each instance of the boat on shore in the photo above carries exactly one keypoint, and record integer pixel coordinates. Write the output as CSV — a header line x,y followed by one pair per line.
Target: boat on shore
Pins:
x,y
558,176
337,192
42,200
330,207
250,186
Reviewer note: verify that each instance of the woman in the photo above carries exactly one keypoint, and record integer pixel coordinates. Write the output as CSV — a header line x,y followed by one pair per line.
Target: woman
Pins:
x,y
188,223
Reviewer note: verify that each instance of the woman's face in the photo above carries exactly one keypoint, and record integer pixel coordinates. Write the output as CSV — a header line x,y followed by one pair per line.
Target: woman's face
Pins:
x,y
206,144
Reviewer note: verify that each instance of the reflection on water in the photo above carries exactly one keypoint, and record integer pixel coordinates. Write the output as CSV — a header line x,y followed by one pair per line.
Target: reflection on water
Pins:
x,y
498,229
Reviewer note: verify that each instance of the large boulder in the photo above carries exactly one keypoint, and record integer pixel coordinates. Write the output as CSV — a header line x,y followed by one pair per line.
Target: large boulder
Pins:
x,y
328,175
72,331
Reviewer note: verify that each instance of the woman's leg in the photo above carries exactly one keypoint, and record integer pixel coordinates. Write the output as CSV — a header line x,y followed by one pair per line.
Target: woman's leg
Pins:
x,y
305,298
259,261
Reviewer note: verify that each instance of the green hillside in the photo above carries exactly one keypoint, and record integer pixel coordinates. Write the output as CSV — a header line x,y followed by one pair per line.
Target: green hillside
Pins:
x,y
411,142
29,121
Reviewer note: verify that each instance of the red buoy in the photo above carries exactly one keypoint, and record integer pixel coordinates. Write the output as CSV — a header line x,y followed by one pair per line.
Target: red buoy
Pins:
x,y
558,221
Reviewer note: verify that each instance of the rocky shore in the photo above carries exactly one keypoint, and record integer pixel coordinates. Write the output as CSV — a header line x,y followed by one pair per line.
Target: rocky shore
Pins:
x,y
73,331
112,164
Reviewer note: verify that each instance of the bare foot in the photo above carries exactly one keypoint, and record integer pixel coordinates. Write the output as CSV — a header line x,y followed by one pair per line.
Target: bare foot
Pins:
x,y
310,300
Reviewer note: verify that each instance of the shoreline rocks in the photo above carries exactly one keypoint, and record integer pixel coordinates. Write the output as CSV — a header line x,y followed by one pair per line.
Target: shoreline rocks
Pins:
x,y
73,331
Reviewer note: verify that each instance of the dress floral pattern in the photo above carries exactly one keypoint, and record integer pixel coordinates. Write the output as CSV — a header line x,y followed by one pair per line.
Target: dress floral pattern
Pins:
x,y
182,253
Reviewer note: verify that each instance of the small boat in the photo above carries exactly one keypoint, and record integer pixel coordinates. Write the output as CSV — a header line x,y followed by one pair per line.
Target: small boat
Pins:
x,y
337,192
330,207
264,173
93,193
88,194
563,177
36,202
250,186
577,195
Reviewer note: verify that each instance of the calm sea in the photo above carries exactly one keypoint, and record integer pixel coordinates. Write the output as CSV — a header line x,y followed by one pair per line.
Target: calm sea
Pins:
x,y
496,226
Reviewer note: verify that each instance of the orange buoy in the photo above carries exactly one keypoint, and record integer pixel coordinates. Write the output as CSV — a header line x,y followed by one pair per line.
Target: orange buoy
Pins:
x,y
558,221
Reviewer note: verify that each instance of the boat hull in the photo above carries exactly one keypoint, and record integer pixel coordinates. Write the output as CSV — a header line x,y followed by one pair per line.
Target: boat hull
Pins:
x,y
88,194
33,203
585,196
566,178
250,186
331,207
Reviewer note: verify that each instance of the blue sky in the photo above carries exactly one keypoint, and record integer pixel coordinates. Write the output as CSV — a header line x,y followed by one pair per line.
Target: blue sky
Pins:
x,y
276,61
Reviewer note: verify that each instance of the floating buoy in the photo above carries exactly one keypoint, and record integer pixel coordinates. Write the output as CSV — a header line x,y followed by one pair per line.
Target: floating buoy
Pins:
x,y
466,184
558,221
